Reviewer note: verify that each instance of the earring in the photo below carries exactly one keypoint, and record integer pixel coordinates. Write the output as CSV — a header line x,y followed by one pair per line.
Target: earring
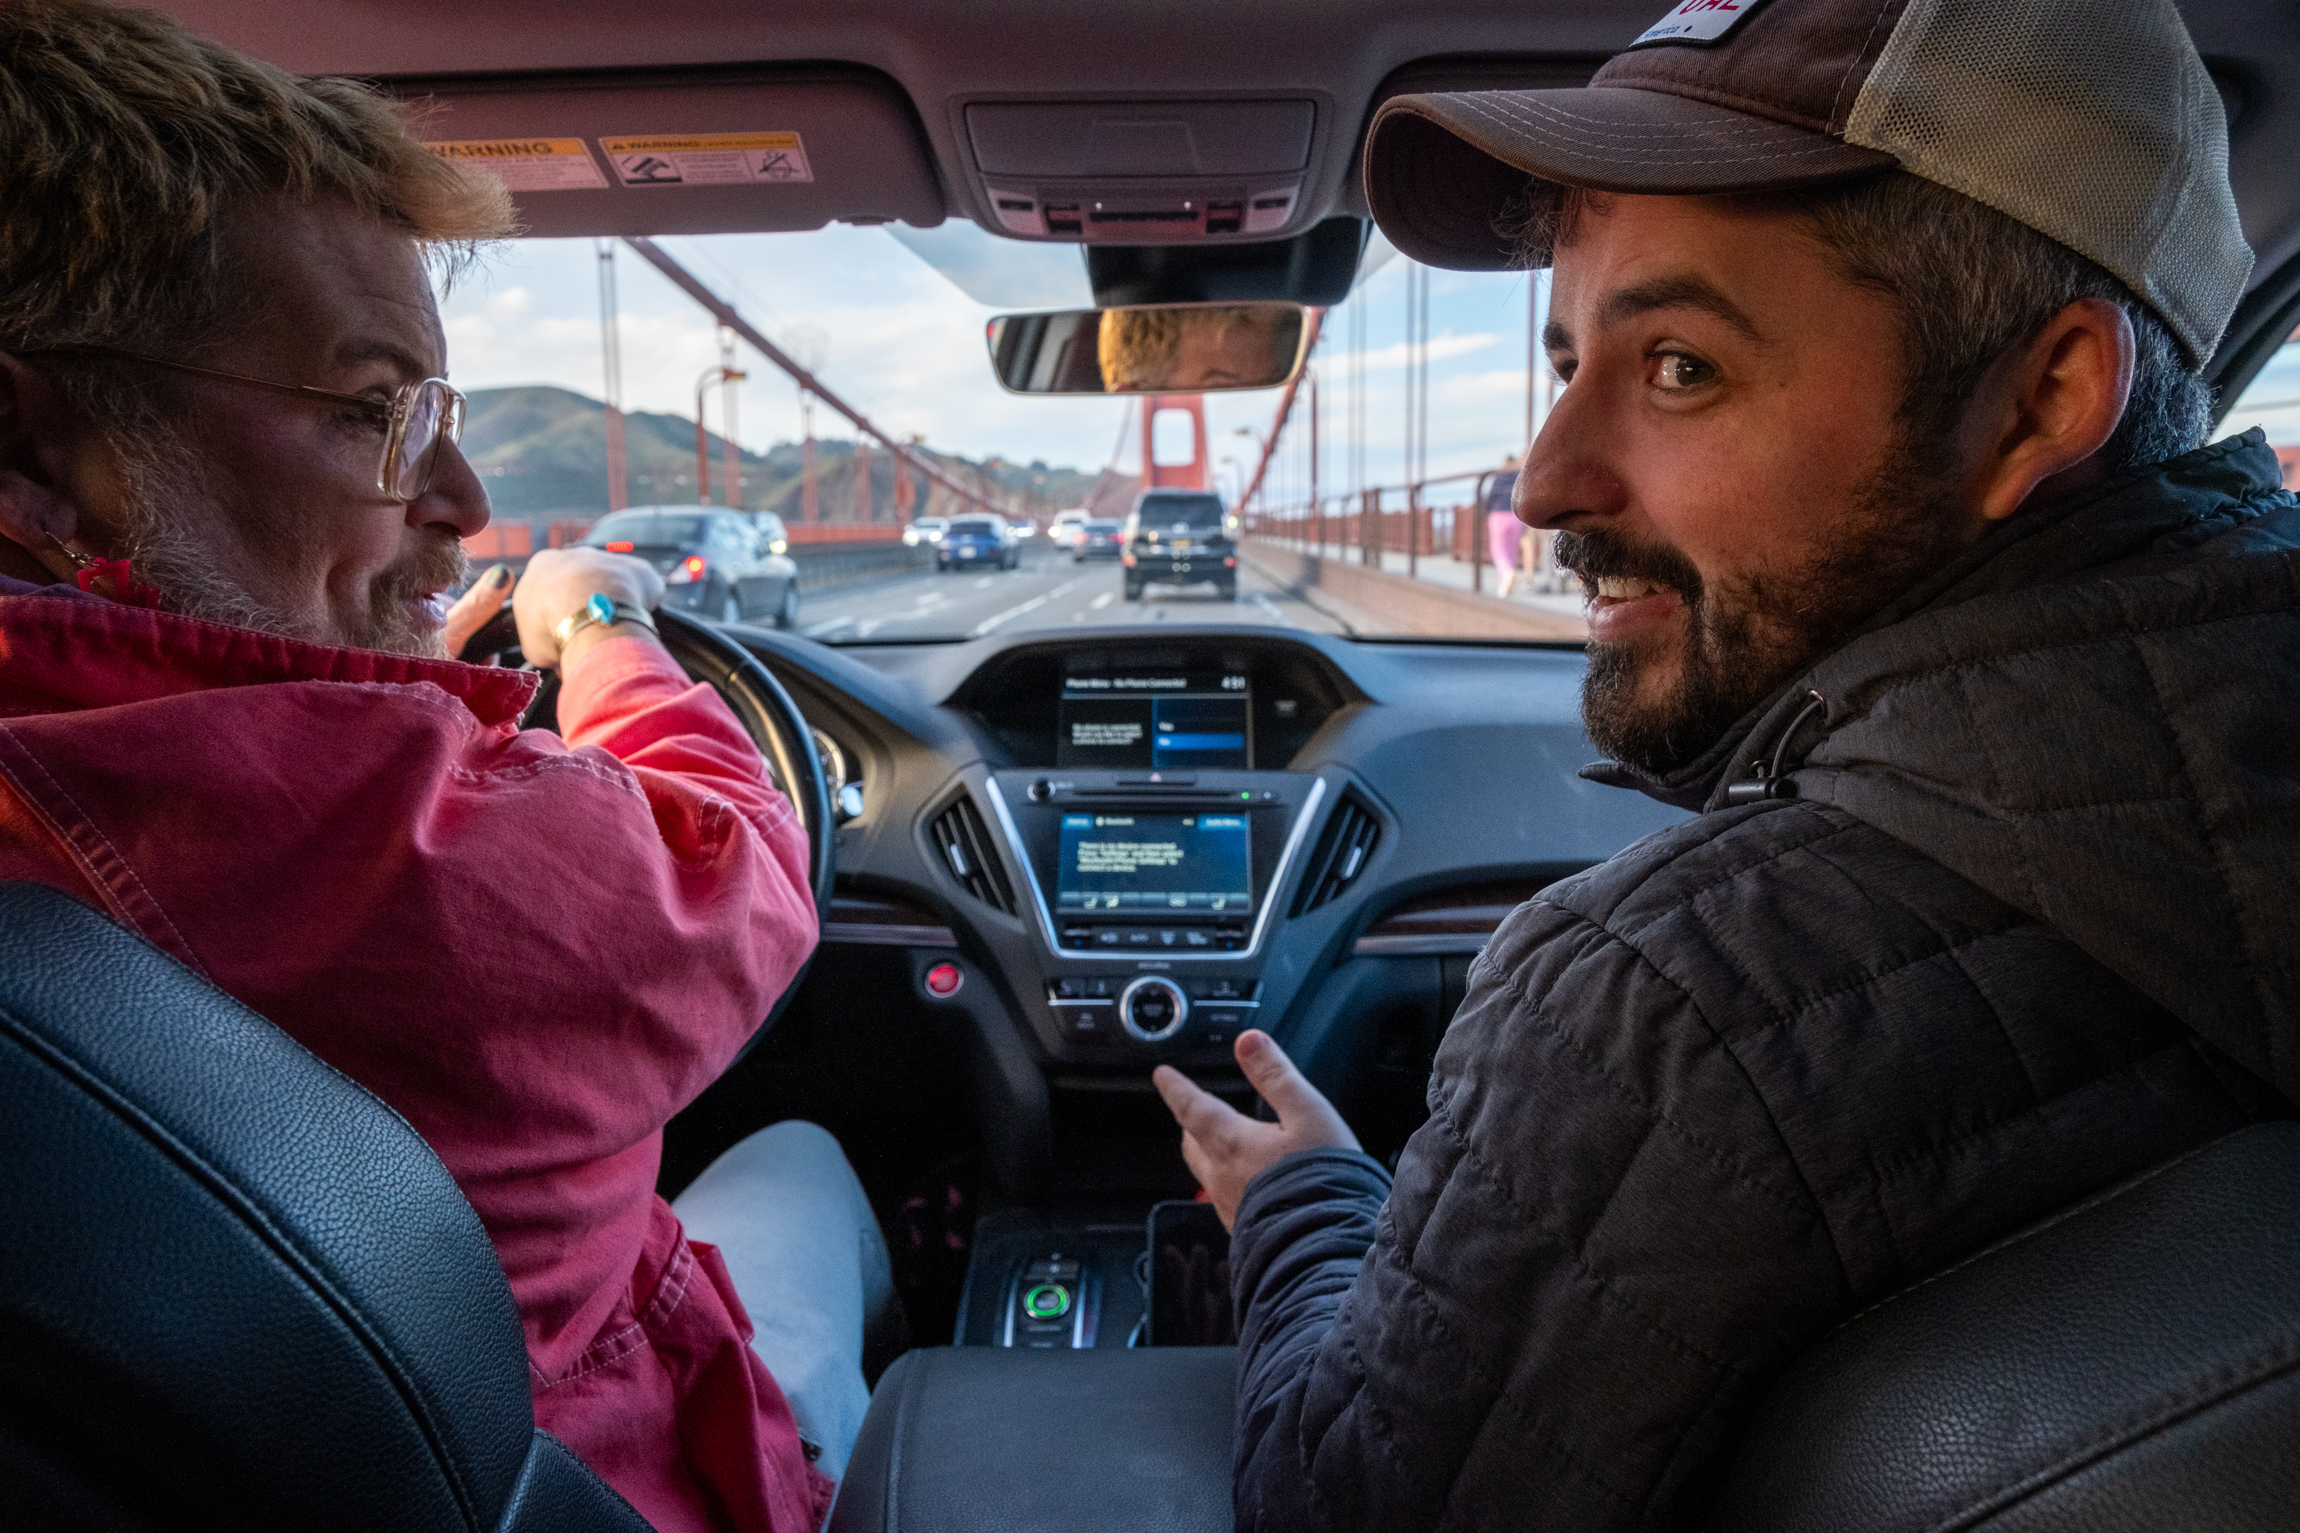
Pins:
x,y
88,570
79,559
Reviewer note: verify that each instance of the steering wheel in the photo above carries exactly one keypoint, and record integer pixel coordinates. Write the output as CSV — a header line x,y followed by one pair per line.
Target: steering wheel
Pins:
x,y
766,712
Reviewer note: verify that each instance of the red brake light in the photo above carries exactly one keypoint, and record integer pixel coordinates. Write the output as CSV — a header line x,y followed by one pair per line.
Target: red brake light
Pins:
x,y
619,548
695,564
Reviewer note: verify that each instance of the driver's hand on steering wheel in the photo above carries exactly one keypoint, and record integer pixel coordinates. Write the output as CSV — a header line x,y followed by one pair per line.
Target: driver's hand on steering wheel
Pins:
x,y
557,584
1227,1149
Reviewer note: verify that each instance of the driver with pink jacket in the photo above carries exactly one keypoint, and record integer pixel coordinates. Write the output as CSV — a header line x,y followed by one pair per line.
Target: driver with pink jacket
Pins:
x,y
231,503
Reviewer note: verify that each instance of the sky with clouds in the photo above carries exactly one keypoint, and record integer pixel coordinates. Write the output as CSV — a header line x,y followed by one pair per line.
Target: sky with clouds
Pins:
x,y
904,343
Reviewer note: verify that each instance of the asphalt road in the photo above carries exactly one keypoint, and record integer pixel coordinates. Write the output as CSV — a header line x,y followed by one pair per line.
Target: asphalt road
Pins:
x,y
1049,591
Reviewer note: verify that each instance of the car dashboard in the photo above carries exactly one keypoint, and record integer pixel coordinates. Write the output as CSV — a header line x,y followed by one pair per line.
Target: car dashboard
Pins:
x,y
1071,860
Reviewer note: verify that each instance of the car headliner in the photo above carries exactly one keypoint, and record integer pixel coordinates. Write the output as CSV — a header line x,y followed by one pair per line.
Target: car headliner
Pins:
x,y
895,79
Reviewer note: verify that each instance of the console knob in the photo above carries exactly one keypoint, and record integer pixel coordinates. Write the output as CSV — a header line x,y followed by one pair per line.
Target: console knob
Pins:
x,y
1152,1009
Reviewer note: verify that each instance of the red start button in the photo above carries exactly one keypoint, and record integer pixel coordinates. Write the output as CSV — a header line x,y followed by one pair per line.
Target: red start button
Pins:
x,y
943,980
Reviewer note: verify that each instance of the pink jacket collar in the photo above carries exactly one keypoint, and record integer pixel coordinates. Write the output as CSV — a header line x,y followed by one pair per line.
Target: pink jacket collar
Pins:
x,y
61,649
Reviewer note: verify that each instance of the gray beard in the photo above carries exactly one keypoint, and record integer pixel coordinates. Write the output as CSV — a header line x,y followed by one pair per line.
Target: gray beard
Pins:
x,y
174,520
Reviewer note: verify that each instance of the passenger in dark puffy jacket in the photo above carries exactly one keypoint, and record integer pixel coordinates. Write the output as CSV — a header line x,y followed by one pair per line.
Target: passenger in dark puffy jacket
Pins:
x,y
1907,573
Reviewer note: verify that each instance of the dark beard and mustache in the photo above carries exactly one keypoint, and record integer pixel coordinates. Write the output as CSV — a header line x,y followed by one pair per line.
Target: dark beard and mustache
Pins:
x,y
1749,635
173,520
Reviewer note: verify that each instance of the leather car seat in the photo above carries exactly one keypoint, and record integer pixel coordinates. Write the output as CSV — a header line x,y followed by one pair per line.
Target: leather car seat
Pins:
x,y
235,1288
2130,1364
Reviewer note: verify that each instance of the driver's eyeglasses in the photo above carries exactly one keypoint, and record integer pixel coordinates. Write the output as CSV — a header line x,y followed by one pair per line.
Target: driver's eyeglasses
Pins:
x,y
419,416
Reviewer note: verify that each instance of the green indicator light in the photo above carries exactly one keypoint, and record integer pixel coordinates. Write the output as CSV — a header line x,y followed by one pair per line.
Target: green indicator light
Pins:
x,y
1247,796
1047,1301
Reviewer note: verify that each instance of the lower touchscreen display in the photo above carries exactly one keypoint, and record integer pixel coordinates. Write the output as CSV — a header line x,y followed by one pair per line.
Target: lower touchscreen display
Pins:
x,y
1201,863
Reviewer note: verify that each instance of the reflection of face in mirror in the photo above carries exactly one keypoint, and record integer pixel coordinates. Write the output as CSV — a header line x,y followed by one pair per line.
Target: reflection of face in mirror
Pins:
x,y
1190,350
1148,349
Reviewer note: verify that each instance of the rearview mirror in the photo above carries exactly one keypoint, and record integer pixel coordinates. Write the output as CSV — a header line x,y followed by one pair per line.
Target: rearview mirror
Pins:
x,y
1165,348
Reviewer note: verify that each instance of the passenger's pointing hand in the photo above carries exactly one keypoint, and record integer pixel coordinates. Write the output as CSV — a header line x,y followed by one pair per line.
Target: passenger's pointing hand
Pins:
x,y
1227,1149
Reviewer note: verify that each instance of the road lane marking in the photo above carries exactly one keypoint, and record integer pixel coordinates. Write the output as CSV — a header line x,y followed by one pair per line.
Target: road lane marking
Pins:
x,y
1032,605
817,630
1104,600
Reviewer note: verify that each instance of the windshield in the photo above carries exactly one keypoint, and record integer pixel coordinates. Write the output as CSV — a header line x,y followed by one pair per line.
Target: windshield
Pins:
x,y
1348,540
645,529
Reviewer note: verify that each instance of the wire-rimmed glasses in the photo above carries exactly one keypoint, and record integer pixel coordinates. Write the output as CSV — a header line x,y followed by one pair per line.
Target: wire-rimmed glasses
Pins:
x,y
420,415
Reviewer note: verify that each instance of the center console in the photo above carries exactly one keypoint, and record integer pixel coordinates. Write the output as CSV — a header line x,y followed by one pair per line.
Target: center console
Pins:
x,y
1154,842
1153,894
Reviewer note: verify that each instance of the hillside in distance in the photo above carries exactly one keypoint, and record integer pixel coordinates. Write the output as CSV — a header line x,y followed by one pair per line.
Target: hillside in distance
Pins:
x,y
542,453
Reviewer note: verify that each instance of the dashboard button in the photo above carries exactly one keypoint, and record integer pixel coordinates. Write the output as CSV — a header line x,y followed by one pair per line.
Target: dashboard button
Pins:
x,y
943,980
1091,1022
1224,1019
1197,939
1152,1009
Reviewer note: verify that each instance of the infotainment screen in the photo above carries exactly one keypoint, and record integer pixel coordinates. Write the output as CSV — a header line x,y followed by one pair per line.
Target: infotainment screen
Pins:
x,y
1201,863
1156,721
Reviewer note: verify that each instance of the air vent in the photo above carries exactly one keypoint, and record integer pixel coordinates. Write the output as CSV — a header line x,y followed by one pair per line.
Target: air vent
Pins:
x,y
1343,851
964,842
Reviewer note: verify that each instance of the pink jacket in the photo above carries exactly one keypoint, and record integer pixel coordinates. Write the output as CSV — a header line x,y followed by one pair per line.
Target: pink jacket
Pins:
x,y
537,949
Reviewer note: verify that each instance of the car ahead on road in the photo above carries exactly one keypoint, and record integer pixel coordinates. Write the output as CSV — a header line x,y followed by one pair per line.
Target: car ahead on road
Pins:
x,y
976,543
1062,532
1180,538
729,565
925,532
993,986
1101,538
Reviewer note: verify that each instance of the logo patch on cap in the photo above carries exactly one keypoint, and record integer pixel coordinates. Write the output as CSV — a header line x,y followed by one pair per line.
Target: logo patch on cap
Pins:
x,y
1698,21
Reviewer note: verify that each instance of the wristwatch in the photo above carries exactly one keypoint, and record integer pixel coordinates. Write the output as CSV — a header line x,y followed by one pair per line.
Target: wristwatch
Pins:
x,y
600,609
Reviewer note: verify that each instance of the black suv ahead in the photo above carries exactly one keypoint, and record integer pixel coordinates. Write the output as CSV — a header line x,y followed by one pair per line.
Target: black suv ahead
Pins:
x,y
1180,537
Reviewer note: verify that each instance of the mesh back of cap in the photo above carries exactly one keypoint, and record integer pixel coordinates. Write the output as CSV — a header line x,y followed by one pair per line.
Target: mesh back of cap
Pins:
x,y
2094,123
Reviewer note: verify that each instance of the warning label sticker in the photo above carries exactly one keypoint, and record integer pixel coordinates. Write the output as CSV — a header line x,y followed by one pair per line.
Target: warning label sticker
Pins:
x,y
529,164
707,159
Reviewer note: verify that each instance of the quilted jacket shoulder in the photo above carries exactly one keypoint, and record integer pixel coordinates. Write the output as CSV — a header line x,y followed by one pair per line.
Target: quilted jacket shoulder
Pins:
x,y
1688,1118
1707,1099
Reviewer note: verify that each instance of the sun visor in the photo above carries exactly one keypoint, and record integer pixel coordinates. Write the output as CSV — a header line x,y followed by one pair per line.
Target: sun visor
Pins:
x,y
717,152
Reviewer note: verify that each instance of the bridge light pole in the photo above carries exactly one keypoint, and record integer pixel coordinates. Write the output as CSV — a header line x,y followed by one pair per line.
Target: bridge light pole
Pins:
x,y
711,375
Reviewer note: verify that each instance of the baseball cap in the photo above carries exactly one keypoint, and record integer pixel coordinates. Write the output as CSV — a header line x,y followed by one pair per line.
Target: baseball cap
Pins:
x,y
2093,122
